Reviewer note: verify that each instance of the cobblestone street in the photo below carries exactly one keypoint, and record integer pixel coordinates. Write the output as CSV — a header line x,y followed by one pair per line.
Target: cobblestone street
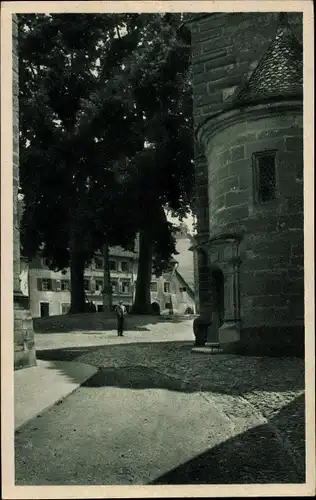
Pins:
x,y
188,417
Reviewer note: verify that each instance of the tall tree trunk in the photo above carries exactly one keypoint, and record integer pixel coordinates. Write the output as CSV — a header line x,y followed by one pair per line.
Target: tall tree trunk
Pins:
x,y
142,304
77,267
107,287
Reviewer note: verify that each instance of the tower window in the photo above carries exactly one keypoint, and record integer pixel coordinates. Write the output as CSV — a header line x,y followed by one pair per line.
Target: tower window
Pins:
x,y
265,176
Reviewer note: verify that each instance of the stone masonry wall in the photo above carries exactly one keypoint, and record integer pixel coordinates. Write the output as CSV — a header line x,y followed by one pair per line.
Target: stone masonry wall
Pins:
x,y
272,249
220,59
24,348
226,47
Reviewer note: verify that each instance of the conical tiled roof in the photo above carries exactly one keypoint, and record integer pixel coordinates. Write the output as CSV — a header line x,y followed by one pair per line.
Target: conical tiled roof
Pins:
x,y
279,73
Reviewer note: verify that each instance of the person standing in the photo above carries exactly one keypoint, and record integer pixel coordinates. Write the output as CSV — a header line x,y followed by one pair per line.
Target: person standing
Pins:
x,y
120,316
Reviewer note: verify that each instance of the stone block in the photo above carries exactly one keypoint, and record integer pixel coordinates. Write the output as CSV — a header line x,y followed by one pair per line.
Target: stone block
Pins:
x,y
196,52
235,198
212,108
199,90
297,260
208,98
245,138
221,83
215,44
198,68
293,286
233,215
294,143
264,340
223,173
214,19
229,184
213,256
275,143
273,247
228,253
237,153
240,167
296,205
208,34
253,285
274,132
269,301
219,203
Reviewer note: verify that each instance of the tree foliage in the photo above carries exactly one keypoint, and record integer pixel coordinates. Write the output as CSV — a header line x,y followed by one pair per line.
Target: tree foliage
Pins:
x,y
105,134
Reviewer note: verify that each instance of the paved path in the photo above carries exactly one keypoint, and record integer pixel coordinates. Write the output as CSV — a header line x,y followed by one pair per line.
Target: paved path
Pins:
x,y
131,435
136,422
39,387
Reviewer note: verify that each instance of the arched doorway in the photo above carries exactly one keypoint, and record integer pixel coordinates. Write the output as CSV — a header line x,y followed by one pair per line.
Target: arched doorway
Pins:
x,y
218,306
155,308
189,310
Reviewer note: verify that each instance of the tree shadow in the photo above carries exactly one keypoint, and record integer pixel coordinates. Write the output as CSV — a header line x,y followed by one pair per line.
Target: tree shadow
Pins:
x,y
254,457
218,372
98,322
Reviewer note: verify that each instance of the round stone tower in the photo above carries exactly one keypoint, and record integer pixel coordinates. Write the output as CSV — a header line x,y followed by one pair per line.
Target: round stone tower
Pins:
x,y
248,105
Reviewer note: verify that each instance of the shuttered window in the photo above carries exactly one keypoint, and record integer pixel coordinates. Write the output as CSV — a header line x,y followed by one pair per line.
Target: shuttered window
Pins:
x,y
44,284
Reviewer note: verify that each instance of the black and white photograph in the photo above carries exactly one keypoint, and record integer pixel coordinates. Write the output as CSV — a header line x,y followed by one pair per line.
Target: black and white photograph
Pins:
x,y
157,182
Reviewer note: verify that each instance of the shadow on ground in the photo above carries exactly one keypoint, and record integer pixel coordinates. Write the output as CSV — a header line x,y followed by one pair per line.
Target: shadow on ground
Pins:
x,y
90,322
270,453
123,364
251,457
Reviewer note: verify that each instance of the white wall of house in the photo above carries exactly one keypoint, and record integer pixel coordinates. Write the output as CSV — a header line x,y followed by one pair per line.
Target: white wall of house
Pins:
x,y
50,295
172,294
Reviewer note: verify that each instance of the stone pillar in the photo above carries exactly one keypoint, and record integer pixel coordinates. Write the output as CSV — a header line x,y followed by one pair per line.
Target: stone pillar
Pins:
x,y
24,346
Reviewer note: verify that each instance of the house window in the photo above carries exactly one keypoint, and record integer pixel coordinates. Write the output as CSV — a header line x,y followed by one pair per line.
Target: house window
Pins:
x,y
44,284
168,305
153,286
98,261
166,287
99,285
112,265
265,176
58,285
65,285
86,285
125,286
124,266
114,286
65,308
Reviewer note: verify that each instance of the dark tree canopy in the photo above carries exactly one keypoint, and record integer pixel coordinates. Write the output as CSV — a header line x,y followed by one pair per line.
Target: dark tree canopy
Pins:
x,y
105,133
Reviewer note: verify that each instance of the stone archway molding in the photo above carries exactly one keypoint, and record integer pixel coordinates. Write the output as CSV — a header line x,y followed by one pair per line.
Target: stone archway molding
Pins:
x,y
223,253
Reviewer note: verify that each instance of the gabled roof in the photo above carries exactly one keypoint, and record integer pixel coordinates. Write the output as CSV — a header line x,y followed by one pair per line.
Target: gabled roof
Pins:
x,y
183,281
279,74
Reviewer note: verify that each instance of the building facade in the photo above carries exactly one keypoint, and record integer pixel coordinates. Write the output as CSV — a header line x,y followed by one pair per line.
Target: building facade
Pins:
x,y
49,291
248,116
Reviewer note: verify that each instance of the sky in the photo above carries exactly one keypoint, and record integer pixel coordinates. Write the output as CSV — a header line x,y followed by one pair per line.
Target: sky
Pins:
x,y
188,221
